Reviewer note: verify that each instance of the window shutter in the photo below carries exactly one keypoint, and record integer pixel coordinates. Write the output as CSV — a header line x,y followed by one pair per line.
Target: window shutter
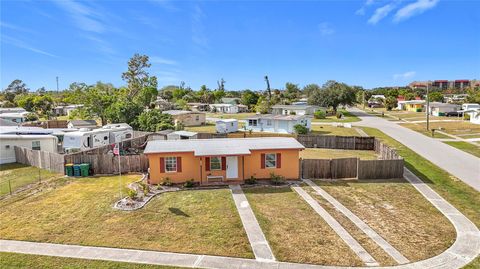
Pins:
x,y
262,161
279,160
224,163
207,163
179,164
162,165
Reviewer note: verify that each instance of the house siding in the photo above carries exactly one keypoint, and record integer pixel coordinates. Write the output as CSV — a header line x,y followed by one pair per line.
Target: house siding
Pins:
x,y
248,165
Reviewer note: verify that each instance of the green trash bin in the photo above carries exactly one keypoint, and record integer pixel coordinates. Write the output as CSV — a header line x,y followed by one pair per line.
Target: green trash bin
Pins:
x,y
84,169
69,169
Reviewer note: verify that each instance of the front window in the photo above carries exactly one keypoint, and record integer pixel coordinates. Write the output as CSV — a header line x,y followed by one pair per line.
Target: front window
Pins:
x,y
215,163
197,118
36,145
269,122
271,160
252,122
171,164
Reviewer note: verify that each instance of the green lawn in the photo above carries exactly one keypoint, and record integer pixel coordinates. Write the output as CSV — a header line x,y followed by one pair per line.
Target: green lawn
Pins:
x,y
80,212
348,117
463,197
331,130
296,233
467,147
20,175
25,261
238,116
311,153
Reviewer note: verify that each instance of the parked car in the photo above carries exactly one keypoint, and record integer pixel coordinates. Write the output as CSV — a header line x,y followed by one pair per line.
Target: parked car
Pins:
x,y
453,114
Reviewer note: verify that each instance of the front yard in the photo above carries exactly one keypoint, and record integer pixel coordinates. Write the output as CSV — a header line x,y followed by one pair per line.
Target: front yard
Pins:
x,y
203,222
332,130
397,212
296,233
347,117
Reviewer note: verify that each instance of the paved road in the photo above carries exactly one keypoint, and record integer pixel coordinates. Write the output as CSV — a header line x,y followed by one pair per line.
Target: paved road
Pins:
x,y
460,164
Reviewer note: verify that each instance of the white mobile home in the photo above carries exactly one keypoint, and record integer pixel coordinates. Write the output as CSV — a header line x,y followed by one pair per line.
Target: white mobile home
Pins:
x,y
85,139
118,132
439,109
226,126
15,117
35,142
294,109
277,123
224,108
181,135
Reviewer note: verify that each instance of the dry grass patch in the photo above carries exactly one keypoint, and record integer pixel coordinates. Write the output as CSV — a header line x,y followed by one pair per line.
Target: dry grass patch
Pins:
x,y
204,222
331,130
370,246
295,232
397,212
450,127
312,153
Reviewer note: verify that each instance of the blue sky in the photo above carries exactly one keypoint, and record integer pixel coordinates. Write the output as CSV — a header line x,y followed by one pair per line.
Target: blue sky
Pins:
x,y
369,43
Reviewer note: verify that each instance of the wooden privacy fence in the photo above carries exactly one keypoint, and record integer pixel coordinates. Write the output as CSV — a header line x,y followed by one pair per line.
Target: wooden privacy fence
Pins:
x,y
337,142
352,168
41,159
108,163
384,151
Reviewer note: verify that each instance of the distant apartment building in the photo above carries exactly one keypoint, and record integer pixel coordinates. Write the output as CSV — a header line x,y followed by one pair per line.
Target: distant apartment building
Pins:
x,y
444,84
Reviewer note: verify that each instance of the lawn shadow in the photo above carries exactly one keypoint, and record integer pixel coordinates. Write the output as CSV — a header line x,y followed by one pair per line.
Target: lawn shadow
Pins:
x,y
12,166
268,189
178,212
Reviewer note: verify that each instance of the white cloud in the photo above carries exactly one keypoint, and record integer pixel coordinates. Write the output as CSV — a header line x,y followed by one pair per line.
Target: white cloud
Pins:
x,y
381,13
413,9
326,29
160,60
361,11
404,76
23,45
198,28
84,17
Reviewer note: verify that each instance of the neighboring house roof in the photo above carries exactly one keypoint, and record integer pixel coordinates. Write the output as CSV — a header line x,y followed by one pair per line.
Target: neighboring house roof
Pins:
x,y
222,146
11,110
294,107
14,115
184,133
437,104
227,120
24,130
412,102
179,112
79,123
223,105
231,100
277,117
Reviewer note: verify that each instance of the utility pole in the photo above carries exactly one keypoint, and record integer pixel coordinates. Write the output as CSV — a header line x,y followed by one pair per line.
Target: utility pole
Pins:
x,y
57,85
363,99
428,108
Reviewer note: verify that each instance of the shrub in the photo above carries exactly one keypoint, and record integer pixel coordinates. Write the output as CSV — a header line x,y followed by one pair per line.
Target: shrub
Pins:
x,y
189,183
144,187
319,114
466,116
252,180
166,182
31,117
300,129
131,193
339,115
276,179
293,113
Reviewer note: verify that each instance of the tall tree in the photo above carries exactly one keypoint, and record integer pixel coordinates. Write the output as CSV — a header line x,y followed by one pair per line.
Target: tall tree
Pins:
x,y
249,98
15,88
292,91
310,88
333,94
137,76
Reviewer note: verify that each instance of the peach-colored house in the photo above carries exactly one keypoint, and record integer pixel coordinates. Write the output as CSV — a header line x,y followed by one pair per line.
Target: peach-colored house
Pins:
x,y
223,160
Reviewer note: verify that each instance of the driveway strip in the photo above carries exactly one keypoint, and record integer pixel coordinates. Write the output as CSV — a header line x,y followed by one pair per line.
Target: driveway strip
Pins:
x,y
255,235
338,228
389,249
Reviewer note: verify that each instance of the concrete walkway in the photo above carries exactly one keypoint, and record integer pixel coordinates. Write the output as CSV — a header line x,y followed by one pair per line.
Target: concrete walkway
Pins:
x,y
463,251
338,228
460,164
255,235
389,249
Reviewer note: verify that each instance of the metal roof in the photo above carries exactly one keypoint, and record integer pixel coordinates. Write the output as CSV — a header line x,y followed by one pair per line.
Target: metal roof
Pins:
x,y
222,146
294,106
179,112
277,117
184,133
227,120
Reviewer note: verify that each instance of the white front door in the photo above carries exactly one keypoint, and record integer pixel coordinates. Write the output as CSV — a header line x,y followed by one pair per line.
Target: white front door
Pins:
x,y
232,167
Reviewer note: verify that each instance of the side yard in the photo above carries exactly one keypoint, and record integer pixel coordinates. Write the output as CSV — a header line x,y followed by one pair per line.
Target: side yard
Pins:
x,y
311,153
14,176
460,195
204,222
347,117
